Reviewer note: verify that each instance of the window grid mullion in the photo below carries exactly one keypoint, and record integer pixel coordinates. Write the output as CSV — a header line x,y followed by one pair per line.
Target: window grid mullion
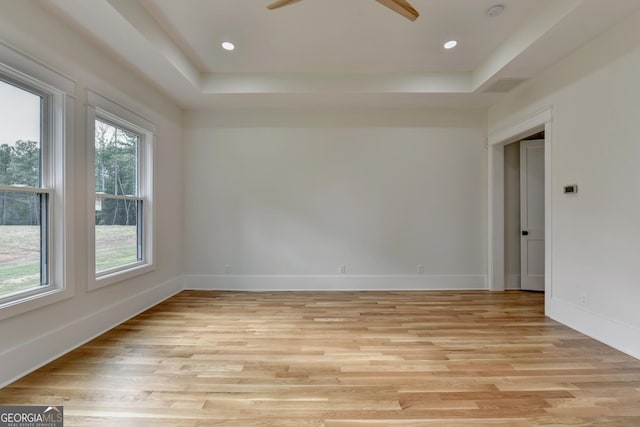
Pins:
x,y
118,197
25,189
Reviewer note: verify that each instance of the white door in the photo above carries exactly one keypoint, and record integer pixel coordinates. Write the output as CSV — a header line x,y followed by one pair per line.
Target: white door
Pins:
x,y
532,215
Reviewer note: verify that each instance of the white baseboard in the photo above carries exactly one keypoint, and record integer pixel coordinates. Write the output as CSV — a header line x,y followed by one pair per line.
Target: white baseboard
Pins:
x,y
335,283
26,357
512,281
616,334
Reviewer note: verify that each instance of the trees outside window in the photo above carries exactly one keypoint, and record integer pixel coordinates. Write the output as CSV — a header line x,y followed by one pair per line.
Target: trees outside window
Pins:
x,y
118,204
121,163
24,196
36,184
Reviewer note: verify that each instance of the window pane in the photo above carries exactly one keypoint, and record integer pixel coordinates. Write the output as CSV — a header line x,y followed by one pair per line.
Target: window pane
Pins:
x,y
20,116
116,233
20,242
116,160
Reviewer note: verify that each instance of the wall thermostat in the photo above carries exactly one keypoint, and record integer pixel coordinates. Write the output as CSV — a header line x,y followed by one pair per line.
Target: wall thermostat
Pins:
x,y
570,189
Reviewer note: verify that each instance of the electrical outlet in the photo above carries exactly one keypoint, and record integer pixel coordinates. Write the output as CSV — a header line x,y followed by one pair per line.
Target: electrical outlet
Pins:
x,y
343,269
227,268
420,269
584,299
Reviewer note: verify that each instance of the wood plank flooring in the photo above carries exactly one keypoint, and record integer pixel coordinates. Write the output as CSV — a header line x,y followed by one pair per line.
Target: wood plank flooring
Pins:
x,y
340,359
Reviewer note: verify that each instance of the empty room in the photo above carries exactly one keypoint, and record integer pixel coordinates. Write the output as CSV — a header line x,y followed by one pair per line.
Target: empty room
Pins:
x,y
319,213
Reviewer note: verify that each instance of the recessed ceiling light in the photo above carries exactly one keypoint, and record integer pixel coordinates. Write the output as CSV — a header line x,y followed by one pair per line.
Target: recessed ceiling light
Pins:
x,y
228,45
450,44
495,10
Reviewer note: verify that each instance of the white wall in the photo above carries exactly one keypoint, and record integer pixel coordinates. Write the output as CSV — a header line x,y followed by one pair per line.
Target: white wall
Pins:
x,y
594,94
32,338
275,194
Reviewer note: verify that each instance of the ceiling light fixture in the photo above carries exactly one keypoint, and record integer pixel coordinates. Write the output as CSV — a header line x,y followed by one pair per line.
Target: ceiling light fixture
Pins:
x,y
450,44
495,10
228,46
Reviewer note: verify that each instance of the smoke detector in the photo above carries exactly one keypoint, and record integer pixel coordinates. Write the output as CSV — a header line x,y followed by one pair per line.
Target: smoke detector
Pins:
x,y
495,10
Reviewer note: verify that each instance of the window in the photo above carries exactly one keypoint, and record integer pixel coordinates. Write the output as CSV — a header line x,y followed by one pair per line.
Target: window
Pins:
x,y
34,242
24,191
119,208
121,164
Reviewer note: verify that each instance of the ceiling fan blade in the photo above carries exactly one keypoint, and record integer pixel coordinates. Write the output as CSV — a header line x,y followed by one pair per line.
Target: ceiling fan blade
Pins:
x,y
281,3
402,7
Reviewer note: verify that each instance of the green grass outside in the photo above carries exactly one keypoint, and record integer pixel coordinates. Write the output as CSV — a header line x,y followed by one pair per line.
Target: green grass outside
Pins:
x,y
20,253
19,258
116,257
19,277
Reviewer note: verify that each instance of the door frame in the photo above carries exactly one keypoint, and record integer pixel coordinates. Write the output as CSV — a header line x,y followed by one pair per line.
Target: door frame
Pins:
x,y
536,122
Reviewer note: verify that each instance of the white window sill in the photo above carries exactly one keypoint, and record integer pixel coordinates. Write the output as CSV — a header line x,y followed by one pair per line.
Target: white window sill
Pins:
x,y
33,302
120,275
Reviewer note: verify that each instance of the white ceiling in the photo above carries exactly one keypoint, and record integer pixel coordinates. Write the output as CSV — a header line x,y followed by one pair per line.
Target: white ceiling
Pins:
x,y
337,52
356,36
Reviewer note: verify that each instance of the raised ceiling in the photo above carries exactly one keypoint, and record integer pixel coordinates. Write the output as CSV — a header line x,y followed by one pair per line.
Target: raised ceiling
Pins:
x,y
338,52
352,36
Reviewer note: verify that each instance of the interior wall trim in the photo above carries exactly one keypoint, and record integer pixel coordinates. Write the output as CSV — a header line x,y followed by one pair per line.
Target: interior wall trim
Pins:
x,y
336,282
618,335
527,125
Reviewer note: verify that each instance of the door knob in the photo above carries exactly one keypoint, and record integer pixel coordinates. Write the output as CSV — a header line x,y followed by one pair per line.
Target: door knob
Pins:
x,y
525,233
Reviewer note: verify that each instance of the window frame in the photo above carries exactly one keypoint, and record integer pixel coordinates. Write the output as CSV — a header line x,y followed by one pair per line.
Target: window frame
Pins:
x,y
56,179
43,190
115,114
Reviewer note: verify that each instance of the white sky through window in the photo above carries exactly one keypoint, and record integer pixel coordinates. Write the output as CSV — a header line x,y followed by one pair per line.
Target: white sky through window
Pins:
x,y
19,115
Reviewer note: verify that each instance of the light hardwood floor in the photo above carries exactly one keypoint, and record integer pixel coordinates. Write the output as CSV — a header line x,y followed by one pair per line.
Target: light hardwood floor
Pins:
x,y
340,359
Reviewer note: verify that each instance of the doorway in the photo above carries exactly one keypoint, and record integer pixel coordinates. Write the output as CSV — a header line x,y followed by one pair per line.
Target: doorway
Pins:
x,y
537,122
524,213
